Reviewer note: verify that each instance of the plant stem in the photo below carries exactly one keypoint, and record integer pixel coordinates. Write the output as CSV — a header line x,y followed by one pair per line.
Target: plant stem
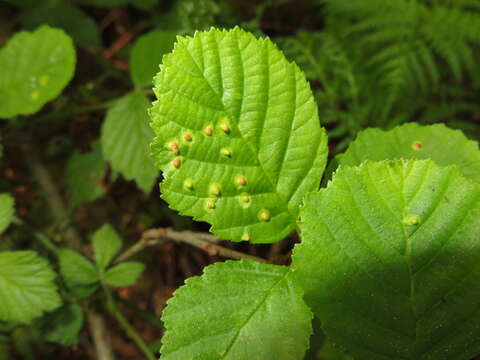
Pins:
x,y
122,320
146,315
40,236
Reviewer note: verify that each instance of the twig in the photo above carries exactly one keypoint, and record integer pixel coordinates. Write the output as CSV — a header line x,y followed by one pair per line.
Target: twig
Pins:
x,y
100,336
203,241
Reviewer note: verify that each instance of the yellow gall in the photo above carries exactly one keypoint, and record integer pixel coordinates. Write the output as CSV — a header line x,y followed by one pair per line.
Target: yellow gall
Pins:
x,y
264,215
176,162
208,130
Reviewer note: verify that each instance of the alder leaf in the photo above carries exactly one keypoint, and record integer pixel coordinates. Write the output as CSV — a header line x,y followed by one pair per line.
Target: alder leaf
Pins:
x,y
35,67
6,211
237,135
437,142
84,176
106,244
389,260
124,274
147,53
125,140
238,310
27,287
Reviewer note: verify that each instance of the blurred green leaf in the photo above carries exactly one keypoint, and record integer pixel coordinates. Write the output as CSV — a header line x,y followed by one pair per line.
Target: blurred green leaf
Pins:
x,y
27,287
35,66
124,274
84,176
63,326
106,244
147,54
125,138
71,19
6,211
76,269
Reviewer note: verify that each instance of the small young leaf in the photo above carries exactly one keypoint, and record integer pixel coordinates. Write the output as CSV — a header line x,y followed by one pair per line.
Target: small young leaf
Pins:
x,y
147,53
6,211
64,325
36,66
76,269
84,176
412,141
237,135
124,274
106,244
125,140
27,287
238,310
390,260
71,19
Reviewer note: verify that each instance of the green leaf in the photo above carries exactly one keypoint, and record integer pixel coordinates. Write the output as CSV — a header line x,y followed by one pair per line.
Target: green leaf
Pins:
x,y
106,244
147,54
390,260
237,310
125,140
65,16
36,66
6,211
64,325
124,274
76,269
84,176
27,287
237,135
412,141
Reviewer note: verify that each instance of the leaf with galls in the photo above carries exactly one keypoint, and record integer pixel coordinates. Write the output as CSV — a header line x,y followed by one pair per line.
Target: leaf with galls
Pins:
x,y
249,125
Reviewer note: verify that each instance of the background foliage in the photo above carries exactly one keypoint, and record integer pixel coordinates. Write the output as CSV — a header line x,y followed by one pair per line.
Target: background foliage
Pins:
x,y
84,128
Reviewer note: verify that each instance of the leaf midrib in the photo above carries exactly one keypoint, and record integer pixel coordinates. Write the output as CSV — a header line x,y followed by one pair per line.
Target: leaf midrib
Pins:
x,y
252,313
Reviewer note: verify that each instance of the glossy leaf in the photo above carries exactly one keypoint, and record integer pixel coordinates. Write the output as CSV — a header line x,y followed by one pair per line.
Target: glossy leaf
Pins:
x,y
27,287
125,140
413,141
390,260
238,310
237,135
35,67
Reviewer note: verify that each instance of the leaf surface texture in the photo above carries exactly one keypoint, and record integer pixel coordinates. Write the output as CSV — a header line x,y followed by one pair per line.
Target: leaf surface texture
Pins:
x,y
389,260
238,310
237,134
